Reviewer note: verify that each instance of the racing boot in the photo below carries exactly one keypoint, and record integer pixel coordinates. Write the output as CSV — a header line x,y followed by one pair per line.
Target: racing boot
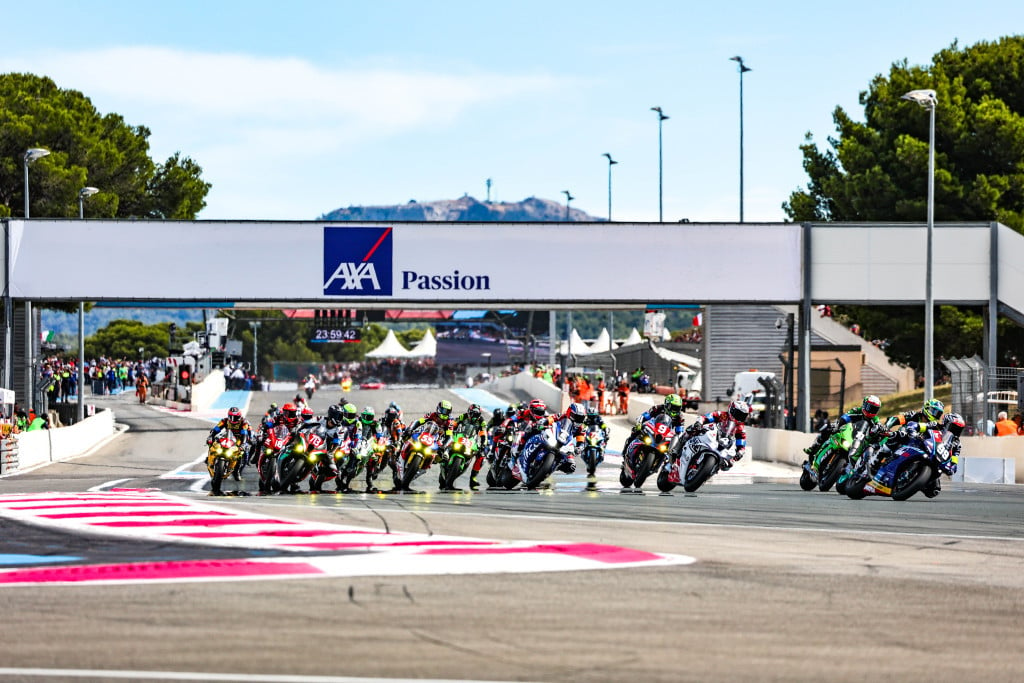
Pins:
x,y
473,483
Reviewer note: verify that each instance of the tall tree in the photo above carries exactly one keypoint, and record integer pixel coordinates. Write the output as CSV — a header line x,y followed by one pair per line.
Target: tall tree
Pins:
x,y
87,148
877,170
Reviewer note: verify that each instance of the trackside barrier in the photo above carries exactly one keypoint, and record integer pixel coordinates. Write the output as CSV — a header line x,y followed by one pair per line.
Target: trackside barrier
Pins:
x,y
525,386
52,445
989,460
208,391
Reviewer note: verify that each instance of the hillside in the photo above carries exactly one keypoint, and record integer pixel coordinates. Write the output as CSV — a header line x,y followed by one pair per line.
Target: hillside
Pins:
x,y
465,209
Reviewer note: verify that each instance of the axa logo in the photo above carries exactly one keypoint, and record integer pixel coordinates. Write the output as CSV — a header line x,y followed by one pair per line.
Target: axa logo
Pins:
x,y
358,261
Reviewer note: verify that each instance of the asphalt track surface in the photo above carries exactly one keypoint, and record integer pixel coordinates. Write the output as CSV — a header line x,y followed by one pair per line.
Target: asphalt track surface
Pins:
x,y
787,585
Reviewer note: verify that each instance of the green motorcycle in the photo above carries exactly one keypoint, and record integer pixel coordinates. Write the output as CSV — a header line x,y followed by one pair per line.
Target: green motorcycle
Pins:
x,y
831,462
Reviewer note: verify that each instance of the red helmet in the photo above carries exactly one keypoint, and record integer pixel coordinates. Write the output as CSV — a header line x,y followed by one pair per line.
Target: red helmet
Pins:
x,y
537,408
307,414
290,414
234,417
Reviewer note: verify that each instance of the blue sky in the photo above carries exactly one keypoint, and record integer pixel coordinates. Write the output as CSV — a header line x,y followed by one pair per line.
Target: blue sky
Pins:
x,y
294,109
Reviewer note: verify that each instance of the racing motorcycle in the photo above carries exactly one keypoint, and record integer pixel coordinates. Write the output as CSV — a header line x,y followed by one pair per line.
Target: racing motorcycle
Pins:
x,y
646,453
700,458
543,452
857,440
223,456
306,449
593,449
458,456
274,440
824,468
909,469
416,455
499,471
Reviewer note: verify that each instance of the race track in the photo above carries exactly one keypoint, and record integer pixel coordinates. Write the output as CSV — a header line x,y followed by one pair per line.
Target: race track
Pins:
x,y
785,585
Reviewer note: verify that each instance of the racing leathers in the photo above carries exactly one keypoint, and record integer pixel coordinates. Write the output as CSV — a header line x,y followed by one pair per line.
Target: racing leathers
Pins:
x,y
473,427
655,411
854,415
727,426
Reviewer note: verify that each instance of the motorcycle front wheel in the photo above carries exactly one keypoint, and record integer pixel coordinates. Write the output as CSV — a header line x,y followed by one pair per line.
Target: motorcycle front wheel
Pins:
x,y
700,469
910,479
411,468
643,470
540,472
831,470
291,472
220,468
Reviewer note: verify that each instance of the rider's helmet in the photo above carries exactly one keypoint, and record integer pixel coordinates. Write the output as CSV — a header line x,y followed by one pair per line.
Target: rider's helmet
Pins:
x,y
739,411
395,407
510,411
593,413
349,414
299,399
368,417
576,413
234,417
291,415
673,405
474,412
537,408
444,410
954,424
933,409
871,405
307,414
391,414
334,415
273,408
499,414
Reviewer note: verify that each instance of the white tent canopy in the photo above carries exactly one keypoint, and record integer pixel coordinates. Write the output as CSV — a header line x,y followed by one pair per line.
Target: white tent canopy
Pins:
x,y
425,348
389,348
603,343
633,338
575,346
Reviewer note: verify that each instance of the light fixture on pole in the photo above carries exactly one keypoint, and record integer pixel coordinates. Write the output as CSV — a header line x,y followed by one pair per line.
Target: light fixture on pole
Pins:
x,y
611,162
661,117
568,198
928,100
84,194
30,156
743,68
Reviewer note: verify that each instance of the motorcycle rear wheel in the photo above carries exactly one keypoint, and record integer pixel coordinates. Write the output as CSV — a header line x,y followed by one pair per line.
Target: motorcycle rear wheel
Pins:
x,y
807,482
855,487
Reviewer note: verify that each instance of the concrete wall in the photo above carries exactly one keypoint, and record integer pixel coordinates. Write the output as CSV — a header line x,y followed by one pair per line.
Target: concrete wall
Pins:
x,y
52,445
208,391
525,387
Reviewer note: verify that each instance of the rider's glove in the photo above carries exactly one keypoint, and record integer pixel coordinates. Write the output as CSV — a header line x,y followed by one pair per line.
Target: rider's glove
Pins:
x,y
739,454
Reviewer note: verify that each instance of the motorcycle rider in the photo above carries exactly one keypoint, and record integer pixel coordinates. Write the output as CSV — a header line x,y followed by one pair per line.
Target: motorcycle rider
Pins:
x,y
473,419
577,416
594,419
289,416
952,424
930,414
672,406
240,429
731,423
524,418
868,410
441,416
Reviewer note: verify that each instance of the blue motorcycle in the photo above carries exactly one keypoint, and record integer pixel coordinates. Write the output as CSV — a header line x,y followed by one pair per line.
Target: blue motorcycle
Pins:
x,y
543,452
906,470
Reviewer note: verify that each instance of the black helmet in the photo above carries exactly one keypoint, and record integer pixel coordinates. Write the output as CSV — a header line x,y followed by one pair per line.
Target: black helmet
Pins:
x,y
954,424
474,412
334,414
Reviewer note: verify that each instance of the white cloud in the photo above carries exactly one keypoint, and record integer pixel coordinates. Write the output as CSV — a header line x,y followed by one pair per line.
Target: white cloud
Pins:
x,y
242,115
